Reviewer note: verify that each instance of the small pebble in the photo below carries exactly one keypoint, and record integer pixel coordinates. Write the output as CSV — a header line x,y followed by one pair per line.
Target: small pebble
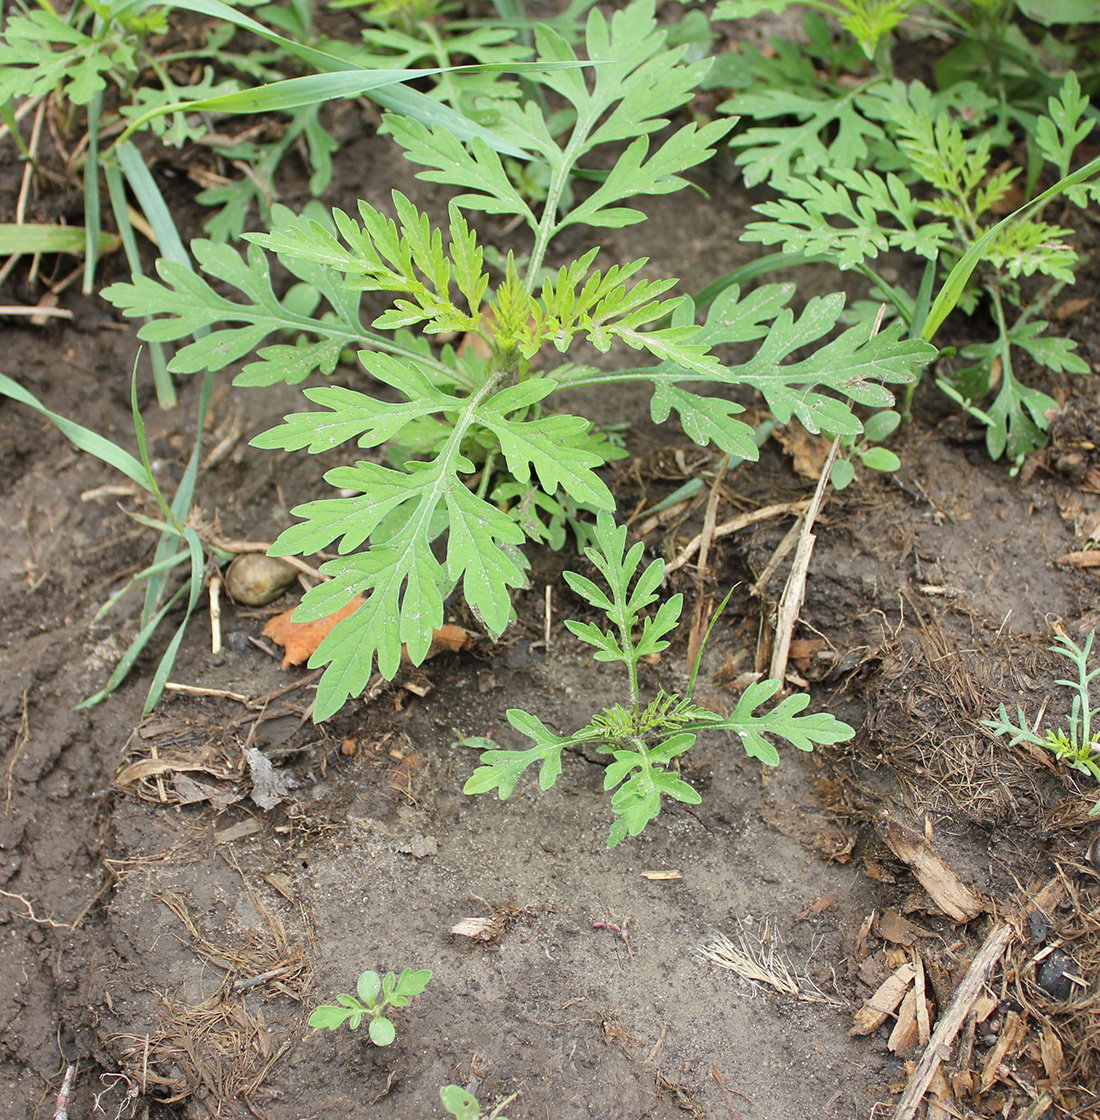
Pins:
x,y
256,580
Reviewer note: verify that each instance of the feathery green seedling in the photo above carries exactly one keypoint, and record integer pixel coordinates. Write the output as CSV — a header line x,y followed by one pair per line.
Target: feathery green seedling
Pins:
x,y
374,995
645,740
463,1105
465,460
1079,745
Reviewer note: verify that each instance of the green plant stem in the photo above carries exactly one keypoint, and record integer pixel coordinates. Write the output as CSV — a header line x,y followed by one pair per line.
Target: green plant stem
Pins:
x,y
1004,346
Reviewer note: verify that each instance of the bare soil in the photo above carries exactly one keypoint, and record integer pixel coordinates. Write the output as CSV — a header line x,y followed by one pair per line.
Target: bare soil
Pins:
x,y
169,937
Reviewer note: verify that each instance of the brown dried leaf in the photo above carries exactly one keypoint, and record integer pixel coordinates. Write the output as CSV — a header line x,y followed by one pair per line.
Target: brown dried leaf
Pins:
x,y
808,452
1070,307
300,639
893,927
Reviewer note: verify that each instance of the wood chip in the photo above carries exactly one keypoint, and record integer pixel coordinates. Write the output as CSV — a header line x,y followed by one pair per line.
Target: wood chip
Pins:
x,y
1082,558
478,929
952,1019
958,901
893,927
1012,1034
904,1038
661,875
238,831
1050,1050
890,993
924,1022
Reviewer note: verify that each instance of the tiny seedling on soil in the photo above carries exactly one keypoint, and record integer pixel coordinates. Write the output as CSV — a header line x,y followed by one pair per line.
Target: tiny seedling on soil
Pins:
x,y
463,1105
374,995
644,740
1079,746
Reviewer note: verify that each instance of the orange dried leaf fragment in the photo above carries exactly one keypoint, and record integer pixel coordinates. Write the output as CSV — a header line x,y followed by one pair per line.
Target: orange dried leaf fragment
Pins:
x,y
300,639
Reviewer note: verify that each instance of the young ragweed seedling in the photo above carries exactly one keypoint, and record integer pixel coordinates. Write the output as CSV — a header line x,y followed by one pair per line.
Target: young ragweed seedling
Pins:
x,y
643,740
375,994
463,1105
1080,745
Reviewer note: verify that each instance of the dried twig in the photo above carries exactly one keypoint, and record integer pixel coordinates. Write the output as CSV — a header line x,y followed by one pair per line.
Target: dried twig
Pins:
x,y
735,525
215,613
706,537
791,602
952,1019
62,1110
35,312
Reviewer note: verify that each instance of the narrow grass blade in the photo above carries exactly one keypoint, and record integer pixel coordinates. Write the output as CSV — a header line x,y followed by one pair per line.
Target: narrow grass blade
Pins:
x,y
924,298
132,653
83,438
185,494
29,238
719,611
399,99
152,203
7,115
153,569
164,668
91,194
143,446
957,278
312,89
116,191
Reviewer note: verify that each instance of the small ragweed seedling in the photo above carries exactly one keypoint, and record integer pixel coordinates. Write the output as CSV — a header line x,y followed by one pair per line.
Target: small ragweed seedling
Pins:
x,y
463,1105
644,740
375,994
1080,745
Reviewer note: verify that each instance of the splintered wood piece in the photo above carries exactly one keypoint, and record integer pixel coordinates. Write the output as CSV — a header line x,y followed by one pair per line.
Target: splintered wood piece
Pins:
x,y
1012,1034
889,994
952,1019
958,901
904,1036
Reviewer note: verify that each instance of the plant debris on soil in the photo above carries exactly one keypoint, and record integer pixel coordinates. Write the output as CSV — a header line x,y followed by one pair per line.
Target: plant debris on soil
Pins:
x,y
906,924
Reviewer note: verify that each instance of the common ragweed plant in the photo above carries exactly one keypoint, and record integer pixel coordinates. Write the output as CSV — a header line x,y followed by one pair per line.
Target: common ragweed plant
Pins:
x,y
464,457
